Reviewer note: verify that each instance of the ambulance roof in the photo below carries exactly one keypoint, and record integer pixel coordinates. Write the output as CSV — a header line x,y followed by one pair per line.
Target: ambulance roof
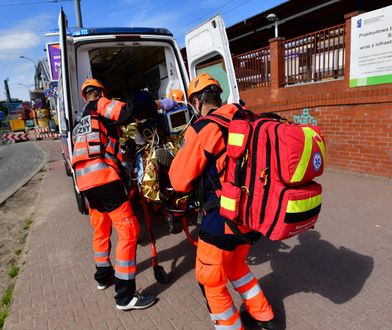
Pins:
x,y
121,30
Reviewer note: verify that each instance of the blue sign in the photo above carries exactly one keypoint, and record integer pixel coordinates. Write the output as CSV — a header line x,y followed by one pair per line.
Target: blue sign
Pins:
x,y
2,116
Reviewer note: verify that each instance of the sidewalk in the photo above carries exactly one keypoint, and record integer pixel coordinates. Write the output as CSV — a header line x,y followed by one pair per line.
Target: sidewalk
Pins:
x,y
338,276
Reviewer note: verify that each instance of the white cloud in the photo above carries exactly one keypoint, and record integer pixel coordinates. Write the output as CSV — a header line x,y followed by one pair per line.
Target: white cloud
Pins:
x,y
164,20
18,40
24,36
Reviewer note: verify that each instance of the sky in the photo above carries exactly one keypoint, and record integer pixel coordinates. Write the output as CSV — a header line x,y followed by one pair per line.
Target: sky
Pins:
x,y
23,24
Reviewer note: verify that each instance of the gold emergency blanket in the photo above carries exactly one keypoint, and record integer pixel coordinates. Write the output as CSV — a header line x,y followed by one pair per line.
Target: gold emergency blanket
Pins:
x,y
150,180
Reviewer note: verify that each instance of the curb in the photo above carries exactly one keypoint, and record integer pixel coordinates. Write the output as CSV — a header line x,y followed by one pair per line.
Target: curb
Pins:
x,y
8,193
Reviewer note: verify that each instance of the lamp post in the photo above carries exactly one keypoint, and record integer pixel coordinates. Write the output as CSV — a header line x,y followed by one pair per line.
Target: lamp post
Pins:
x,y
25,86
273,19
35,68
28,88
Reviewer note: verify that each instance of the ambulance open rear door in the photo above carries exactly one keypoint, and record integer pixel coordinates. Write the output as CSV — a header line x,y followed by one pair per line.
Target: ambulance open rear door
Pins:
x,y
68,77
70,98
208,51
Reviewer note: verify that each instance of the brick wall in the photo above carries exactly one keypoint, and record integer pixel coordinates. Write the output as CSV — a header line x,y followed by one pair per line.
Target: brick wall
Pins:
x,y
357,122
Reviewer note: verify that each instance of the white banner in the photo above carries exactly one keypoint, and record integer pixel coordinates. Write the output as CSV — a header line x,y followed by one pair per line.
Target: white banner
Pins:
x,y
371,48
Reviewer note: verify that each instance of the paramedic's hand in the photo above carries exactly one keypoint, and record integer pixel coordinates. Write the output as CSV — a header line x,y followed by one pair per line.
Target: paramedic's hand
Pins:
x,y
167,104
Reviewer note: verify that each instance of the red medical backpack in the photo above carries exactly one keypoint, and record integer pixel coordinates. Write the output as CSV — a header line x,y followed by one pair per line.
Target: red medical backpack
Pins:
x,y
270,167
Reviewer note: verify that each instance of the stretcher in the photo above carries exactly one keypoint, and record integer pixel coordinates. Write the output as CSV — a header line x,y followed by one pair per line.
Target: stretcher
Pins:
x,y
178,211
149,147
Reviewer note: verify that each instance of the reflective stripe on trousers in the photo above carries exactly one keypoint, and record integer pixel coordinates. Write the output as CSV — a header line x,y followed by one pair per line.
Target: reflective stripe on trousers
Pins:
x,y
129,266
253,291
253,297
101,237
127,228
99,256
227,320
214,267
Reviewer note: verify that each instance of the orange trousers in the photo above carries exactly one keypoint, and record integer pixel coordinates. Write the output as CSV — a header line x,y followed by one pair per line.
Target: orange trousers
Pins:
x,y
127,227
214,267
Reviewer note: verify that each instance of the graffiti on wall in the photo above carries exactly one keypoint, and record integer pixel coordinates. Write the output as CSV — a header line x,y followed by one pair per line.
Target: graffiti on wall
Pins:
x,y
305,118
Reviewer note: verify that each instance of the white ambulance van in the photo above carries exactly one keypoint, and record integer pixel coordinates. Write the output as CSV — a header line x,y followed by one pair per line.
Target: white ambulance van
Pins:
x,y
130,59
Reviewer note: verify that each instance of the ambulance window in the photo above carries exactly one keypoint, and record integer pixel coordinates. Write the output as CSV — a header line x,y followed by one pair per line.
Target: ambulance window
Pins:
x,y
123,69
215,66
61,106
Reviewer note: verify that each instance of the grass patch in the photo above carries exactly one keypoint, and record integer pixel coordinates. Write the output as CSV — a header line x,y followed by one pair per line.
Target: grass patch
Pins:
x,y
6,298
5,304
18,252
22,239
14,271
3,314
28,223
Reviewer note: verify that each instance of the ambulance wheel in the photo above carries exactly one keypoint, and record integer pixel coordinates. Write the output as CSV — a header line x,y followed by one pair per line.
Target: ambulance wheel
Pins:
x,y
160,274
174,226
81,202
170,222
67,169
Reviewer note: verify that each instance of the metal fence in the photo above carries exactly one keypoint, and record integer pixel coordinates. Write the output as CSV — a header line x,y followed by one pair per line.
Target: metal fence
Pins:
x,y
315,56
252,69
312,57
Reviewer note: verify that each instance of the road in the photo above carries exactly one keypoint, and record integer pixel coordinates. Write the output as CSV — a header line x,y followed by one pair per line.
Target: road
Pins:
x,y
335,277
18,163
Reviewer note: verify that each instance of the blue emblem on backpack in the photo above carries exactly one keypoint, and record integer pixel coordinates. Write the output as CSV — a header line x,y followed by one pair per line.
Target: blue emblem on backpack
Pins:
x,y
317,161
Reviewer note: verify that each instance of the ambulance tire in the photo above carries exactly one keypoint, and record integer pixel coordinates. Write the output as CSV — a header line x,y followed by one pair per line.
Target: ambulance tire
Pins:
x,y
67,169
81,201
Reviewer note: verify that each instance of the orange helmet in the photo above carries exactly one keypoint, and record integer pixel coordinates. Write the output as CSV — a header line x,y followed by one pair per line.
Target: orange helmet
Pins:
x,y
92,83
176,95
200,82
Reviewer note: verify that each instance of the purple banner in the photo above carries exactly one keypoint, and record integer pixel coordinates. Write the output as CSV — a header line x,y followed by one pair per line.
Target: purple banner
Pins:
x,y
54,57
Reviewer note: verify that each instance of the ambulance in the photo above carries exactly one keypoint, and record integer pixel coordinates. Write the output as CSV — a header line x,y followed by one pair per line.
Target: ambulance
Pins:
x,y
130,59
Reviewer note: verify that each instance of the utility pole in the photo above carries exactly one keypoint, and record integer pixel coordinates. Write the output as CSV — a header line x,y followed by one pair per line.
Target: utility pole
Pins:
x,y
78,14
7,91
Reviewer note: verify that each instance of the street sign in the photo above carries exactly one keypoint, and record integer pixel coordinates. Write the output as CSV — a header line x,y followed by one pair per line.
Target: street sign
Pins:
x,y
54,59
371,48
2,116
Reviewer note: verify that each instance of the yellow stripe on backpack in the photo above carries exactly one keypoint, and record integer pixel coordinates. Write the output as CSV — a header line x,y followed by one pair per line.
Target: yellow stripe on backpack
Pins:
x,y
236,139
303,205
303,164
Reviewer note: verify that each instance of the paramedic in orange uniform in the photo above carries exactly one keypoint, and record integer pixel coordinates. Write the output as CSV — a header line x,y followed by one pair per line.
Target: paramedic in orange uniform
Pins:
x,y
220,254
176,95
97,164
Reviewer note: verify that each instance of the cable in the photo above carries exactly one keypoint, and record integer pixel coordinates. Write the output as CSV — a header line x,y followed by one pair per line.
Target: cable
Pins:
x,y
235,7
206,15
32,3
182,30
27,31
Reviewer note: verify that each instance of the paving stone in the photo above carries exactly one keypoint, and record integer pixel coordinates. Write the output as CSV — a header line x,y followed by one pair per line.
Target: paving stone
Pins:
x,y
337,277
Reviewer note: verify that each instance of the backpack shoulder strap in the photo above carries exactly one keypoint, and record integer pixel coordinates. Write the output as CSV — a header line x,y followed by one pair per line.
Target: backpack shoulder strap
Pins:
x,y
220,120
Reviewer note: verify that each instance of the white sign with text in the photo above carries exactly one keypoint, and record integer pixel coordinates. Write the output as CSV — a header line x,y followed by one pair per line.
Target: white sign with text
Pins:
x,y
371,48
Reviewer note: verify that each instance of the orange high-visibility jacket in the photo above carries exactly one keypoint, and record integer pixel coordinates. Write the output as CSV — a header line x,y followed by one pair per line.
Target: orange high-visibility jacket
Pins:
x,y
203,156
96,156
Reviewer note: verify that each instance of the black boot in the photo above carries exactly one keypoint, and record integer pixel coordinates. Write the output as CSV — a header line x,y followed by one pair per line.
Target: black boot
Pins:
x,y
249,321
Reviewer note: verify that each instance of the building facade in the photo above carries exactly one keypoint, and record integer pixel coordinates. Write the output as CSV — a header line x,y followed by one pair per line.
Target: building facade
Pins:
x,y
304,75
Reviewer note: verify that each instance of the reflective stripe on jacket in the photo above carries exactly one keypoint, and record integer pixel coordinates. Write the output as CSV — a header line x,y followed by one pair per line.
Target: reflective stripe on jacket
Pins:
x,y
97,155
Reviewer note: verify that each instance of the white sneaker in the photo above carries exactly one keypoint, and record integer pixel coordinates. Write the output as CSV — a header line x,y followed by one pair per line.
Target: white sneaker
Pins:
x,y
102,286
137,302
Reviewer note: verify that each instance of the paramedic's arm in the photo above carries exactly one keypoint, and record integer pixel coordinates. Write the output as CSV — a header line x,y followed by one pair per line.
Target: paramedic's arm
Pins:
x,y
117,112
188,164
